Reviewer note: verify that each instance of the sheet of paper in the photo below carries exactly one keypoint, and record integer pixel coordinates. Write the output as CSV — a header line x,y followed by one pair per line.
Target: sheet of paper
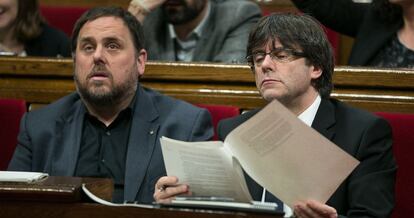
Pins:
x,y
207,167
287,157
17,176
107,203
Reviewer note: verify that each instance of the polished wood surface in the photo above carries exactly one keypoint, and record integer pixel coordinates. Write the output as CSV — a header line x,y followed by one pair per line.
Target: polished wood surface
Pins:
x,y
61,197
56,189
40,81
12,209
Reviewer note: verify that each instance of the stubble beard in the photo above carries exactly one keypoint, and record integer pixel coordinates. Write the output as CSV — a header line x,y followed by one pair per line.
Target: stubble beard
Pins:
x,y
99,95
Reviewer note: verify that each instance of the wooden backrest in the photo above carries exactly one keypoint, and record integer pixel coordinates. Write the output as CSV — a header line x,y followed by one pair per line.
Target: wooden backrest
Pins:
x,y
42,80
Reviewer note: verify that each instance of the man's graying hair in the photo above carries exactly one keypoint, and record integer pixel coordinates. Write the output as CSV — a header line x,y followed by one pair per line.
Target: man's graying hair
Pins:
x,y
297,32
134,26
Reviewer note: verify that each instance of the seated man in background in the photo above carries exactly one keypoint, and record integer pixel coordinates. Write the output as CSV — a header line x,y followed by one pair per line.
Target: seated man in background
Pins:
x,y
24,32
292,62
196,30
111,126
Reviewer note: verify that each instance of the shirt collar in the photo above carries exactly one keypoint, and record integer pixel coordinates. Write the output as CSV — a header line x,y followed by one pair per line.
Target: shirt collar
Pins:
x,y
309,114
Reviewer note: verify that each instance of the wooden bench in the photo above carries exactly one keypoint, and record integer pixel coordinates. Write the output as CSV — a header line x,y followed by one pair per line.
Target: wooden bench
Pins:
x,y
40,81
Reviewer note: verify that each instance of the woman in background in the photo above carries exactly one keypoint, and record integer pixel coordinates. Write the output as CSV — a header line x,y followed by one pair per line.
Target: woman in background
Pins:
x,y
383,30
24,32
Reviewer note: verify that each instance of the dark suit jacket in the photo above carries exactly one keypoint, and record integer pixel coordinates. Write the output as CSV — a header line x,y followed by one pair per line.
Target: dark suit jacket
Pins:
x,y
357,20
50,43
369,190
50,137
224,38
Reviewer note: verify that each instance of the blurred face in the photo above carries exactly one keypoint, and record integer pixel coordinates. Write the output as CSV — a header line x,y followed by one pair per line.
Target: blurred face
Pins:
x,y
106,64
182,11
285,76
8,13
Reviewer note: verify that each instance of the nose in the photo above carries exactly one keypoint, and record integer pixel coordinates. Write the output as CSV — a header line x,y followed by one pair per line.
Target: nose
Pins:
x,y
98,55
268,64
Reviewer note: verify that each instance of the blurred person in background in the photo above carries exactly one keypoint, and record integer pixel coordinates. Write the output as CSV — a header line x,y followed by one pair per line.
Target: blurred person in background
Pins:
x,y
196,30
24,32
383,30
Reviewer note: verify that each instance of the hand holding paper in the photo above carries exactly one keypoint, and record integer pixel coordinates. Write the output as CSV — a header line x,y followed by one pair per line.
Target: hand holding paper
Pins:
x,y
280,152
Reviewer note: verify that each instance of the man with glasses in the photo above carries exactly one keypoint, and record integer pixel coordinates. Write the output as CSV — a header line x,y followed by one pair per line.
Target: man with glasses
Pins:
x,y
292,62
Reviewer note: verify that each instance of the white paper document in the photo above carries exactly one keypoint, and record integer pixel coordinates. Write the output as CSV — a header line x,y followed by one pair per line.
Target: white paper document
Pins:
x,y
24,177
107,203
280,152
208,167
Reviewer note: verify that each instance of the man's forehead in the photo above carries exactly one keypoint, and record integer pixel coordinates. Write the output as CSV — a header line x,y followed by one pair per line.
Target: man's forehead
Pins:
x,y
274,43
268,45
105,27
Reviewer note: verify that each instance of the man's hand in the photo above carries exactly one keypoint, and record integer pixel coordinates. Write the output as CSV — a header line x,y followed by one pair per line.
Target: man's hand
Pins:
x,y
314,209
167,187
140,8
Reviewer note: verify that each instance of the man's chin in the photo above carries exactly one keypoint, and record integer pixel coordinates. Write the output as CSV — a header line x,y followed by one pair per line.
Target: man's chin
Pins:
x,y
270,95
98,94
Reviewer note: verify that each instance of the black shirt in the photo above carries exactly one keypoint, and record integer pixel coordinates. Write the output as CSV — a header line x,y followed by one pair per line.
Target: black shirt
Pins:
x,y
103,149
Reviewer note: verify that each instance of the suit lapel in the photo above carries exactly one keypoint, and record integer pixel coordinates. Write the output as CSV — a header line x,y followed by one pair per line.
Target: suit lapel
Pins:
x,y
141,144
68,138
159,43
324,121
204,45
164,46
167,53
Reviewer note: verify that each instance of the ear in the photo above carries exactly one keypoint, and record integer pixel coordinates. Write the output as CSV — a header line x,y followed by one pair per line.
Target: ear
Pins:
x,y
316,72
141,60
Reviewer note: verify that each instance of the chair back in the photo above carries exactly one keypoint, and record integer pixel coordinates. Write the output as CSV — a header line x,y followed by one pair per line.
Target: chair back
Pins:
x,y
403,146
219,112
62,18
11,111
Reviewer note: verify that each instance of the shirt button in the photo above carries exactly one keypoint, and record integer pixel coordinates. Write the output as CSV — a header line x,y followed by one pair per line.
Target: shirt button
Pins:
x,y
108,133
103,160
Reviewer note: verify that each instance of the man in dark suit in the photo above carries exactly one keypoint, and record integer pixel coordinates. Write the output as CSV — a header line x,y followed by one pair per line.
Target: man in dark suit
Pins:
x,y
292,62
111,126
196,30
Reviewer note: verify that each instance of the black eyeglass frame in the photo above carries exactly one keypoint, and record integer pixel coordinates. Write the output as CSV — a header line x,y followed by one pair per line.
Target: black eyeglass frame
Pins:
x,y
290,53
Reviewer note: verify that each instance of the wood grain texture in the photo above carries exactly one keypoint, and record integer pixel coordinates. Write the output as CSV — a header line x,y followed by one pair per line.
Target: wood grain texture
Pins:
x,y
41,80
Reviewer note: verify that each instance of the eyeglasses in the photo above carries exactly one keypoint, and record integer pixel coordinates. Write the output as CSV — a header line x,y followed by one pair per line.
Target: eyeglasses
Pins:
x,y
281,55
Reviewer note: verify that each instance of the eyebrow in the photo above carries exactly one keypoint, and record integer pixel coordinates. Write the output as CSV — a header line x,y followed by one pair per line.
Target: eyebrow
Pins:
x,y
86,39
106,39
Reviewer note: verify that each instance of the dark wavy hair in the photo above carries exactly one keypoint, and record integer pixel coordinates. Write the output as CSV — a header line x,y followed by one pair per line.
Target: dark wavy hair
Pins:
x,y
28,21
297,31
134,26
390,13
